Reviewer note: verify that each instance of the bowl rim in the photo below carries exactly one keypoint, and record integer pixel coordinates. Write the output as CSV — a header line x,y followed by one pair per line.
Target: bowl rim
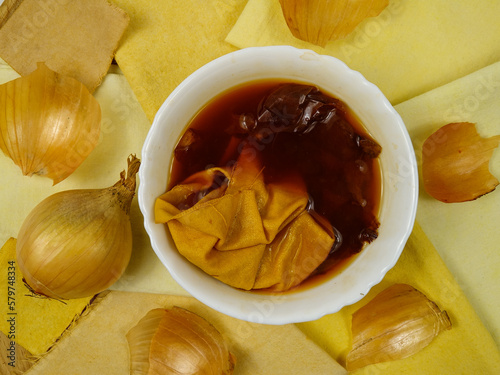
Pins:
x,y
281,308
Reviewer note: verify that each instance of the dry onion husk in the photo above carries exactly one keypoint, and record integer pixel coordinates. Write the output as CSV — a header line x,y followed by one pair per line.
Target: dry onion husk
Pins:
x,y
397,323
77,243
50,123
455,163
177,341
320,21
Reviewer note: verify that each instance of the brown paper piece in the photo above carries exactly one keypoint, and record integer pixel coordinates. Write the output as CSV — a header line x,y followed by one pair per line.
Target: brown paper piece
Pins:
x,y
97,344
74,38
14,359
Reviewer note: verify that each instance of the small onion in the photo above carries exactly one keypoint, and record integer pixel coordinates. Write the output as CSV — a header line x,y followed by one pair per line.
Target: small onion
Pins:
x,y
77,243
177,341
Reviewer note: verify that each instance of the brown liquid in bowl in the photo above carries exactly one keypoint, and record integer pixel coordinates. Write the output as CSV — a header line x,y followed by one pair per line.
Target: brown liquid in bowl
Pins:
x,y
335,156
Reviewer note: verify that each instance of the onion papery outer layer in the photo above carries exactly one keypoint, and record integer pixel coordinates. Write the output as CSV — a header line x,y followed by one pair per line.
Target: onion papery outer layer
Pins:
x,y
77,243
455,163
49,123
139,340
398,322
320,21
177,341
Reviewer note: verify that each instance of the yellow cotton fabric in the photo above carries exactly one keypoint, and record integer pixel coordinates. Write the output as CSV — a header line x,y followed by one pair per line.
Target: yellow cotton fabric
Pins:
x,y
249,235
168,40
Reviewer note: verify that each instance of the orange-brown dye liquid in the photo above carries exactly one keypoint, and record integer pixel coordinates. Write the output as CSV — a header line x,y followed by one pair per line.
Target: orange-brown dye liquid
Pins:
x,y
343,182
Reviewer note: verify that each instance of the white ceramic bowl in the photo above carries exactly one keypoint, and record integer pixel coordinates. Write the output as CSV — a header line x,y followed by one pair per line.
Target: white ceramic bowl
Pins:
x,y
399,179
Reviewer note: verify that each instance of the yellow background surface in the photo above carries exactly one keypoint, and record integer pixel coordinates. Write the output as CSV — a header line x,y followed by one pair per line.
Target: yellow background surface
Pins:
x,y
411,48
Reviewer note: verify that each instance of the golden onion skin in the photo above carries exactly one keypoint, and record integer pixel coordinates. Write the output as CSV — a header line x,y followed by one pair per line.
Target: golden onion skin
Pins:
x,y
75,244
455,163
50,123
178,341
397,323
321,21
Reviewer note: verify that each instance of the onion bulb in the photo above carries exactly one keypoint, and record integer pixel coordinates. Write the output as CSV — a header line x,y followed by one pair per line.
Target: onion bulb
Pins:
x,y
49,124
77,243
398,322
455,163
177,341
320,21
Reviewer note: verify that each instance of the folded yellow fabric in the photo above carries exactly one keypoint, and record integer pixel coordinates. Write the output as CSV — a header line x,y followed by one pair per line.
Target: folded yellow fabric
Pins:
x,y
410,48
246,233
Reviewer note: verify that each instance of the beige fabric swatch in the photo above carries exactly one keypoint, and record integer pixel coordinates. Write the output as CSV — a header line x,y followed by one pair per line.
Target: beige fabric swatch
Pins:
x,y
14,359
97,344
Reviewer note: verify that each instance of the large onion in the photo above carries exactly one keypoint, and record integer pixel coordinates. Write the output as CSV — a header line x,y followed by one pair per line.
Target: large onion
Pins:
x,y
77,243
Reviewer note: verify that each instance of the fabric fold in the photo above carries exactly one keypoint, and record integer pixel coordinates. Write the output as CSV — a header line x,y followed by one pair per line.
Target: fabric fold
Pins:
x,y
243,231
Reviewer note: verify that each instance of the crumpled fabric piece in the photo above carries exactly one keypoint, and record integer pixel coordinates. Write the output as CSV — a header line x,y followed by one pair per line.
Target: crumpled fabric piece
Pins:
x,y
242,231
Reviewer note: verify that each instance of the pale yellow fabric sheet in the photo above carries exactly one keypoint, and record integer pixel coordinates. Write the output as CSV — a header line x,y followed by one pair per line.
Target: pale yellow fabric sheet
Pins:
x,y
410,48
465,234
467,348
